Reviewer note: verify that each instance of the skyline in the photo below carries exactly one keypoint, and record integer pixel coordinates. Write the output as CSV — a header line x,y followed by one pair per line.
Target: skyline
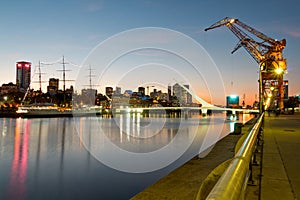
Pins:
x,y
45,31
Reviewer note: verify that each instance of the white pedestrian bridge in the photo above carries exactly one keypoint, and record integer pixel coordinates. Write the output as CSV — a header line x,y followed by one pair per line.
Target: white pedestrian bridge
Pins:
x,y
204,108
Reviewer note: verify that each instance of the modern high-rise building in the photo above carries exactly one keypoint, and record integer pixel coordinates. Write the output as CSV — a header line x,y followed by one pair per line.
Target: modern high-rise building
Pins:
x,y
23,75
182,95
169,92
189,98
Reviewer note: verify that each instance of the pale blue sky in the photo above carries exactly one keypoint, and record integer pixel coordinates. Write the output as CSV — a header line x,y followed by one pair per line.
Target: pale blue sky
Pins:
x,y
43,30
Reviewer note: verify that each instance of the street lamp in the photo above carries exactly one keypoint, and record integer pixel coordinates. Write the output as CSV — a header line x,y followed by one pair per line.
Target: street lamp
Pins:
x,y
261,94
278,70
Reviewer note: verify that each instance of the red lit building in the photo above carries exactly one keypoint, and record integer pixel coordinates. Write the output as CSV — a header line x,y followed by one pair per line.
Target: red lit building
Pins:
x,y
23,74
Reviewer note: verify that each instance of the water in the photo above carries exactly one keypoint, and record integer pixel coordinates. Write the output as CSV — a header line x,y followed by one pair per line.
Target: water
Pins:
x,y
48,158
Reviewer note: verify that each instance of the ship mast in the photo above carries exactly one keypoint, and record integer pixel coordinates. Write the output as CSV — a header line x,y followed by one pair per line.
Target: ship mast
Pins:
x,y
40,76
90,76
64,73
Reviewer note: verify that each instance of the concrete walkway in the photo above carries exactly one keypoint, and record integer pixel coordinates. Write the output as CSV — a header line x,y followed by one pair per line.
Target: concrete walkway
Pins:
x,y
281,158
184,182
280,166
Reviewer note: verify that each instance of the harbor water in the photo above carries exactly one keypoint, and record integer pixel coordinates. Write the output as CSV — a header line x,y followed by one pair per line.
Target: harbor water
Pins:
x,y
67,158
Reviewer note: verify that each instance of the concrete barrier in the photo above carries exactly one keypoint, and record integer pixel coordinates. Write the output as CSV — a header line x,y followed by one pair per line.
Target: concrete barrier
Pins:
x,y
211,180
237,128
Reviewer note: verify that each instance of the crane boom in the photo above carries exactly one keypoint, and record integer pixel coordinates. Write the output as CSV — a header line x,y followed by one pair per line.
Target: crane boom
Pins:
x,y
267,53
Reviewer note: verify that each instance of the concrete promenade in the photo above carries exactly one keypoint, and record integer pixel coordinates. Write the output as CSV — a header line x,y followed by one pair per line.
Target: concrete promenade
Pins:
x,y
281,158
184,182
280,165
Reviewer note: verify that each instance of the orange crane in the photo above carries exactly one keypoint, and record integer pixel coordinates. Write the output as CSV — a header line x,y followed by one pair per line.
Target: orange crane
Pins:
x,y
268,54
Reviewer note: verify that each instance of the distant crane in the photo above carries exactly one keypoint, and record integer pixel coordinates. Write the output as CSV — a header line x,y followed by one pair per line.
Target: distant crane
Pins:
x,y
268,54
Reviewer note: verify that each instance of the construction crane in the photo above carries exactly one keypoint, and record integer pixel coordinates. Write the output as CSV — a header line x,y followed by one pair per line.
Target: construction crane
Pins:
x,y
268,54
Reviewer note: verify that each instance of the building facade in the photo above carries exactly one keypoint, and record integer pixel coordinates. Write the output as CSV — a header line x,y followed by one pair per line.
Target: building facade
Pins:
x,y
182,95
109,91
23,77
8,88
141,91
232,101
117,91
53,86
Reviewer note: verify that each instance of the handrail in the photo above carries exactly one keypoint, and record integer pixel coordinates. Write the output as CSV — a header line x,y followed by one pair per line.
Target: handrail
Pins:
x,y
232,183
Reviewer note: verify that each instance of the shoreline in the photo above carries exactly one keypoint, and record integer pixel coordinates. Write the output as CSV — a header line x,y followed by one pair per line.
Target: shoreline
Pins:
x,y
185,181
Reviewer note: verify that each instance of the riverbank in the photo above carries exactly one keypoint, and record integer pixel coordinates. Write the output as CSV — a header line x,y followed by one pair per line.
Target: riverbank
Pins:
x,y
8,113
185,181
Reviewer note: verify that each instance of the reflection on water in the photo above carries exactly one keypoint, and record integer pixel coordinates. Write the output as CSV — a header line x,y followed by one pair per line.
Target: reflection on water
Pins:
x,y
20,160
47,159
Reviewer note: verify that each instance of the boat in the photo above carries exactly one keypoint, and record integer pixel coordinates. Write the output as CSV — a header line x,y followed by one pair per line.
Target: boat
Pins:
x,y
86,111
42,110
50,110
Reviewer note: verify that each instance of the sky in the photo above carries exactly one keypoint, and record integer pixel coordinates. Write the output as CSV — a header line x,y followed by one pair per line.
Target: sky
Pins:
x,y
83,31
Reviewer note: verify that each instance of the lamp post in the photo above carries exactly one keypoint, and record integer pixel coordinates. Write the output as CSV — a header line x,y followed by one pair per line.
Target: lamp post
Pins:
x,y
279,73
261,95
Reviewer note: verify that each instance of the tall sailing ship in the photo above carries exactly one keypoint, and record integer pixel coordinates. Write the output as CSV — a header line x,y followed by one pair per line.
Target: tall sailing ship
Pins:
x,y
52,110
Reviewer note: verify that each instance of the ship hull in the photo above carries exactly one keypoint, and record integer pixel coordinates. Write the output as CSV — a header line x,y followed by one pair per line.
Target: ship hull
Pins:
x,y
46,112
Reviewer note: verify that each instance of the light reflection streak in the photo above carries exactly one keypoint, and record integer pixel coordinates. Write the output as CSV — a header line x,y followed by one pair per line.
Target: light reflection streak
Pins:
x,y
18,172
141,138
80,132
4,127
38,152
231,126
121,129
128,126
245,118
138,124
133,124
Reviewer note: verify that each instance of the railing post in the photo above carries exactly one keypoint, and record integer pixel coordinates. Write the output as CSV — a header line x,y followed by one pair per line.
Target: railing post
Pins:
x,y
251,180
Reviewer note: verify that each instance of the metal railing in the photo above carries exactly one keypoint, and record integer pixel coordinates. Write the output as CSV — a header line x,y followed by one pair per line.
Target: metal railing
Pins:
x,y
233,182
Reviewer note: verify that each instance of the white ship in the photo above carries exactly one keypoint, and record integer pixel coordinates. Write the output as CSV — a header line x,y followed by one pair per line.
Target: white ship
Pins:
x,y
50,110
